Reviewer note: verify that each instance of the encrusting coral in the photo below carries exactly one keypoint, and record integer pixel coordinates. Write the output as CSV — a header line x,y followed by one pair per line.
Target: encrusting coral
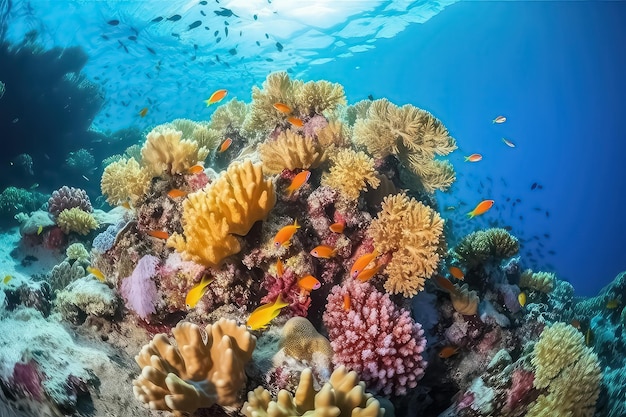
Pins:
x,y
76,220
194,373
351,172
484,245
228,206
342,396
165,152
410,231
412,135
540,281
290,151
124,181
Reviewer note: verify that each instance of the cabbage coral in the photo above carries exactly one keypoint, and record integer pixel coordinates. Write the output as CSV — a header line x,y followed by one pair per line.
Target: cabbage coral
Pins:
x,y
165,152
411,232
124,181
351,173
290,151
412,135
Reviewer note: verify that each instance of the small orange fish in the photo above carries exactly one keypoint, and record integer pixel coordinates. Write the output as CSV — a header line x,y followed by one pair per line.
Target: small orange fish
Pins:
x,y
196,169
126,205
323,251
445,284
309,283
368,273
143,112
159,234
337,227
499,119
508,143
575,324
297,122
225,145
361,263
284,235
216,97
298,181
481,208
280,268
346,302
197,291
282,107
448,351
96,273
475,157
456,272
175,193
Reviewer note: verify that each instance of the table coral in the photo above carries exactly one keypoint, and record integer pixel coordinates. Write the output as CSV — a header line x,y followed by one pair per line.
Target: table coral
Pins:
x,y
194,373
351,172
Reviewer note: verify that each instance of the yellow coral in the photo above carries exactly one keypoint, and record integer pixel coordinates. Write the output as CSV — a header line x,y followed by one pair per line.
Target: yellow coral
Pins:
x,y
317,97
164,151
229,116
484,245
342,396
411,231
351,173
540,281
357,110
193,373
263,117
333,134
124,181
290,151
568,371
300,340
76,220
412,135
228,206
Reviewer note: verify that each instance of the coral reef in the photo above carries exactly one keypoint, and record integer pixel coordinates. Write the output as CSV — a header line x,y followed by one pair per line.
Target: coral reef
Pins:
x,y
67,198
486,245
290,151
539,281
124,181
351,172
165,152
76,220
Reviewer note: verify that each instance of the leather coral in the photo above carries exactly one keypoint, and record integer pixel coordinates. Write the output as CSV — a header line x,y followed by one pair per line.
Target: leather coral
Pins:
x,y
194,373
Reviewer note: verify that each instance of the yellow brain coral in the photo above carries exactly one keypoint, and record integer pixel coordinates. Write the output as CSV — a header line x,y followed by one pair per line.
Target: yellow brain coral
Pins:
x,y
411,232
165,152
568,371
351,173
228,206
412,135
290,151
76,220
124,181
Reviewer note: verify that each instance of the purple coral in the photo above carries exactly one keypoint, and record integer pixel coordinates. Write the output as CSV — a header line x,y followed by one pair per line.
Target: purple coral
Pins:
x,y
139,290
67,198
375,338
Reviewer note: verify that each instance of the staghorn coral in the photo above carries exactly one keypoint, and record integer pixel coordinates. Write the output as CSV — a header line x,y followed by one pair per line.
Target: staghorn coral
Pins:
x,y
411,231
228,206
464,301
342,396
485,245
229,116
194,373
317,97
290,151
351,173
124,181
76,220
540,281
569,372
411,134
68,197
165,152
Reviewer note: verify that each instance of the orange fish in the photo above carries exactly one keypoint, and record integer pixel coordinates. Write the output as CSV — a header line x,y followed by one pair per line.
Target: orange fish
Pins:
x,y
280,268
175,193
456,272
361,263
368,273
475,157
499,119
216,97
126,205
225,145
96,273
323,251
481,208
159,234
508,143
298,181
337,227
196,169
282,107
448,351
575,324
309,283
297,122
143,112
284,235
346,302
445,284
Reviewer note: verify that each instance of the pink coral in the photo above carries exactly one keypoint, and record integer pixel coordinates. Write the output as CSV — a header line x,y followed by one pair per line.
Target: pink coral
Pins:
x,y
287,285
139,290
197,181
375,338
67,198
54,238
521,385
27,380
314,125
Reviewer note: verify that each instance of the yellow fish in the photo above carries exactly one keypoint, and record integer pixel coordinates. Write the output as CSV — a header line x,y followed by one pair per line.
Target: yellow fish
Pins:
x,y
522,298
96,273
260,318
39,230
7,279
611,304
195,294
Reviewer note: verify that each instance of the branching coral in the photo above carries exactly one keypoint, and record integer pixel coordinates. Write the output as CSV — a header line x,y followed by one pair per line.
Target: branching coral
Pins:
x,y
568,370
351,173
413,135
540,281
290,151
164,151
76,220
342,396
193,373
228,206
356,111
124,181
411,232
485,245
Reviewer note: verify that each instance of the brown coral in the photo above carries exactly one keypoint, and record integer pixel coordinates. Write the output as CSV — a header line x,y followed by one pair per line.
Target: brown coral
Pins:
x,y
165,152
464,301
300,340
351,172
124,181
193,373
485,245
411,231
290,151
